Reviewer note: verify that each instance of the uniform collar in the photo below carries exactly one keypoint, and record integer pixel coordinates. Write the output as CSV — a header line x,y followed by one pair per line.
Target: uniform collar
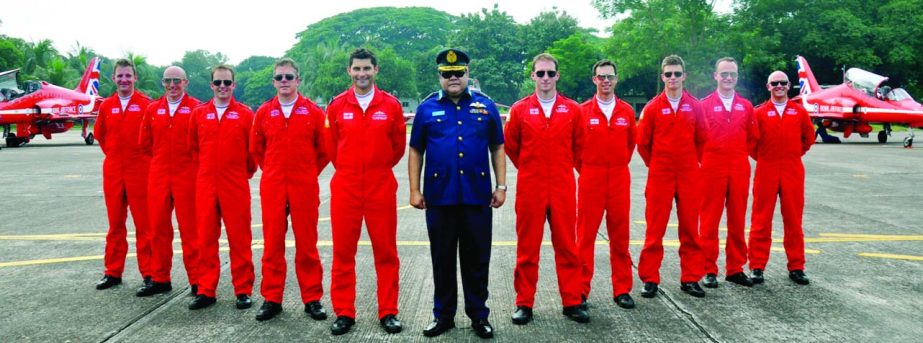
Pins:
x,y
466,91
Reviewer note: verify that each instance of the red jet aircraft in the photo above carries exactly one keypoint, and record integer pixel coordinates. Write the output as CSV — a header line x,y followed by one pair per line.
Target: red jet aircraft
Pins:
x,y
45,109
851,106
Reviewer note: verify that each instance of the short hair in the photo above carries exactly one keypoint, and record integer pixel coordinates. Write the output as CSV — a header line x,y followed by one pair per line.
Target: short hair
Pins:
x,y
285,61
362,54
122,63
724,59
545,57
222,67
602,63
673,60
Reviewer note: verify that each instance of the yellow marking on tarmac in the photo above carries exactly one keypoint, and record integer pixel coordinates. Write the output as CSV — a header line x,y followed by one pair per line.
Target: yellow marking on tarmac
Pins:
x,y
892,256
861,176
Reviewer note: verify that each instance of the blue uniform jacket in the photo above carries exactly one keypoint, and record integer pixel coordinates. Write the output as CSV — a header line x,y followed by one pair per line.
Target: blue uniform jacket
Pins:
x,y
454,140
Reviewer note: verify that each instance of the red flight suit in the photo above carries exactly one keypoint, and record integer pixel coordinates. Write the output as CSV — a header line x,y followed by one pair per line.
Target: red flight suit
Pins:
x,y
125,175
364,146
172,184
779,172
223,192
671,144
605,186
726,179
291,153
545,150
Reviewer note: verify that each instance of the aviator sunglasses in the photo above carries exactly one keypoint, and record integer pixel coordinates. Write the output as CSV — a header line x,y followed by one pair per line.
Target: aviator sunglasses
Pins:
x,y
778,83
541,73
670,74
217,83
450,74
287,77
605,77
170,80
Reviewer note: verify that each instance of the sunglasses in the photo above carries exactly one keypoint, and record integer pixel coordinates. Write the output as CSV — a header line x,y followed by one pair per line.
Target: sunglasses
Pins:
x,y
451,73
605,77
541,73
778,83
287,77
217,83
728,75
175,80
670,74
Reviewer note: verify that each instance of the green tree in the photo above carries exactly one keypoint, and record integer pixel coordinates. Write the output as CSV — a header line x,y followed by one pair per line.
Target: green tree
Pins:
x,y
491,38
546,28
396,75
576,55
10,55
254,80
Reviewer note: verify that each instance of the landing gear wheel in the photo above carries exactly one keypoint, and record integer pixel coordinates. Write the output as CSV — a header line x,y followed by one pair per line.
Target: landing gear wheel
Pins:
x,y
89,139
882,137
908,142
12,141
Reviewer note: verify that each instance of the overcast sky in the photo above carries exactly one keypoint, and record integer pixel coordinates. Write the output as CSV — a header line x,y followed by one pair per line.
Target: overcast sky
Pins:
x,y
166,29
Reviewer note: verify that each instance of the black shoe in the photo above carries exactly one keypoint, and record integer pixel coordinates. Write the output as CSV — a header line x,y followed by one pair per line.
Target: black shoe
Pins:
x,y
147,281
576,314
152,288
624,301
268,310
316,310
799,277
711,281
108,281
692,288
437,327
757,276
482,328
390,324
193,290
740,278
649,290
342,325
244,301
201,301
522,315
583,303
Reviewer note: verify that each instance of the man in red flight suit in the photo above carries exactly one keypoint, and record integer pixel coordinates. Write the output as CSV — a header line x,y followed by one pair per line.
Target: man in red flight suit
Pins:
x,y
785,135
726,175
671,137
219,133
125,171
287,142
165,137
542,140
366,138
604,185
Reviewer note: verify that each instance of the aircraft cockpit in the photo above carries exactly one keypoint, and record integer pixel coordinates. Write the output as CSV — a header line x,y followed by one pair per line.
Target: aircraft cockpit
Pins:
x,y
864,81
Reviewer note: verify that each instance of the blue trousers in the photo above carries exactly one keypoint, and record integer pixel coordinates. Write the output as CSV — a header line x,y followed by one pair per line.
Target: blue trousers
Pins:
x,y
464,231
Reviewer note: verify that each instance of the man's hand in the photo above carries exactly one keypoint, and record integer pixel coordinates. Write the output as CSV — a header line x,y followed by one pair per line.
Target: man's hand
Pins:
x,y
416,200
498,198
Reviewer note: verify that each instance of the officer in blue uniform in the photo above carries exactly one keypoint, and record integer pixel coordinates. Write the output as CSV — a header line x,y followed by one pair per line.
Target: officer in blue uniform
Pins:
x,y
454,130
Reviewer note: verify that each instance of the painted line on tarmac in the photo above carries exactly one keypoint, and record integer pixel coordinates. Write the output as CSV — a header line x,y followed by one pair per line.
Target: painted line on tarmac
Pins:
x,y
892,256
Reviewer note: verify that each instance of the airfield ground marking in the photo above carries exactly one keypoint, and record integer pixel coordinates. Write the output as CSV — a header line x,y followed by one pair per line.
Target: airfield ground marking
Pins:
x,y
892,256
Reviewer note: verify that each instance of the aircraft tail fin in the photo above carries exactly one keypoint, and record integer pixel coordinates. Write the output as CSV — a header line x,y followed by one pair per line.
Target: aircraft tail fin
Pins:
x,y
806,78
89,84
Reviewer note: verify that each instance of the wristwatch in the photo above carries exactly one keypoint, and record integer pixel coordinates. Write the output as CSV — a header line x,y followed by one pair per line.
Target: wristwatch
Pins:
x,y
501,188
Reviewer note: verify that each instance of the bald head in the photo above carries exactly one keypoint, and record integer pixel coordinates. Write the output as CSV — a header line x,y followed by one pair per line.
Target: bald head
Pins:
x,y
777,75
174,72
174,83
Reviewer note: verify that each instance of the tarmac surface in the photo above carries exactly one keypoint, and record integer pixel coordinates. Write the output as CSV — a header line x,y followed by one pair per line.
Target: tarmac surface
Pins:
x,y
863,230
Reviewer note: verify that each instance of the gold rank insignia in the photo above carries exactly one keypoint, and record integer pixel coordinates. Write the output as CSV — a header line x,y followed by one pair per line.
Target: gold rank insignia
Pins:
x,y
451,57
478,104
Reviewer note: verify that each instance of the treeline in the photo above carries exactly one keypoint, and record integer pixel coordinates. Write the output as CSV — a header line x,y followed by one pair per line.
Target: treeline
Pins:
x,y
764,35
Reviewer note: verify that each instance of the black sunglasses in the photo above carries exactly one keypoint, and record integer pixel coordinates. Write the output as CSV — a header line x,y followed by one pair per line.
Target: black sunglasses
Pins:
x,y
287,77
170,80
217,83
541,73
449,74
604,77
778,83
670,74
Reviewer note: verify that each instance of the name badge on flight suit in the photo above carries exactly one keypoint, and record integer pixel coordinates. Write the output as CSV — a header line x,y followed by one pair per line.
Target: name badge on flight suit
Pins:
x,y
347,116
685,108
232,115
621,122
134,108
718,109
274,113
665,111
771,114
594,121
561,109
161,111
210,116
790,112
379,116
115,111
438,113
301,110
533,111
738,107
184,110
